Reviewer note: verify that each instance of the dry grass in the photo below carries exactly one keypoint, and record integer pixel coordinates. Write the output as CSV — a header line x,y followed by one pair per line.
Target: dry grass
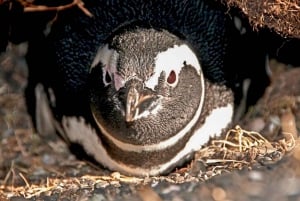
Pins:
x,y
281,15
56,185
237,149
241,148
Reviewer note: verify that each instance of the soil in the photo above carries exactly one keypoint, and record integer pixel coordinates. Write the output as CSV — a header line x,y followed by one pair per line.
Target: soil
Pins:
x,y
242,165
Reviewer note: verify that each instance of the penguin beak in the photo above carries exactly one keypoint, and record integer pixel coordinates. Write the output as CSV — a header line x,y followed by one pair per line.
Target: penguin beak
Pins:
x,y
138,104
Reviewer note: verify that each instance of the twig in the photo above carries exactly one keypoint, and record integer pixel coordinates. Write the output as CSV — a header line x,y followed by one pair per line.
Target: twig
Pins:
x,y
29,7
210,161
25,180
9,173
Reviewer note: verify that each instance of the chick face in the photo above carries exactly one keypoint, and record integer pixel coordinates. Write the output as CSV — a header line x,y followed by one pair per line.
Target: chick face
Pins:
x,y
147,90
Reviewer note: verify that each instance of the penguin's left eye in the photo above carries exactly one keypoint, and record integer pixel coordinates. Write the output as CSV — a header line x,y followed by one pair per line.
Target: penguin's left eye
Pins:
x,y
172,77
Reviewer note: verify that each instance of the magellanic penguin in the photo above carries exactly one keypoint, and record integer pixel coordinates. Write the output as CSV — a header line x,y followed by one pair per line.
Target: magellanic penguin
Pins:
x,y
140,86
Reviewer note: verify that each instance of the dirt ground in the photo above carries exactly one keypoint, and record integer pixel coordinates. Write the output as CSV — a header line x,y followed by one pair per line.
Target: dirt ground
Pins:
x,y
243,165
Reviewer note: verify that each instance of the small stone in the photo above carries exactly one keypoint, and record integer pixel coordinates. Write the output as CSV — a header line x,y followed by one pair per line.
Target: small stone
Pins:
x,y
97,197
255,175
218,194
170,189
48,160
116,175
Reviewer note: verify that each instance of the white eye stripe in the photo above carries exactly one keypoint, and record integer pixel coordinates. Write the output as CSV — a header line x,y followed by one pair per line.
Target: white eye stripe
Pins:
x,y
173,59
108,57
103,55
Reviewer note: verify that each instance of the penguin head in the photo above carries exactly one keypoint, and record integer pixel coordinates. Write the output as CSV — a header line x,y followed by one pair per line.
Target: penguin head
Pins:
x,y
146,86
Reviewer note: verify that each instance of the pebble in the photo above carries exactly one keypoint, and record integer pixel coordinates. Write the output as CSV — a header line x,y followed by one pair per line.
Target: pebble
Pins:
x,y
48,159
255,175
218,194
170,189
147,193
97,197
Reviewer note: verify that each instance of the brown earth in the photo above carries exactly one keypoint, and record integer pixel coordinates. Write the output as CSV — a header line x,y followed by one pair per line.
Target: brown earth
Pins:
x,y
243,165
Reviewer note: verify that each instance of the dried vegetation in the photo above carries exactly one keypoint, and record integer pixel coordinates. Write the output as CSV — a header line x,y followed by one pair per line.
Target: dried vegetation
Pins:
x,y
283,16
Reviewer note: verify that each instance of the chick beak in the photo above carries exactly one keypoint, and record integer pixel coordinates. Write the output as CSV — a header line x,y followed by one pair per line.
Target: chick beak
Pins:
x,y
137,104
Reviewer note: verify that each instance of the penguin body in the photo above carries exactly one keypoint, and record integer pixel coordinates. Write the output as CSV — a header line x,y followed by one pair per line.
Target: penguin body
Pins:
x,y
140,86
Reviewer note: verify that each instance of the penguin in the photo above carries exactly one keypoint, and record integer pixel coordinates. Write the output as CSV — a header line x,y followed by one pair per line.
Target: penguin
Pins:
x,y
140,86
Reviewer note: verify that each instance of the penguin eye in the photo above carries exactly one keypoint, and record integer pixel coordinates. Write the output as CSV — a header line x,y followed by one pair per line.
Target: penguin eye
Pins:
x,y
172,77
